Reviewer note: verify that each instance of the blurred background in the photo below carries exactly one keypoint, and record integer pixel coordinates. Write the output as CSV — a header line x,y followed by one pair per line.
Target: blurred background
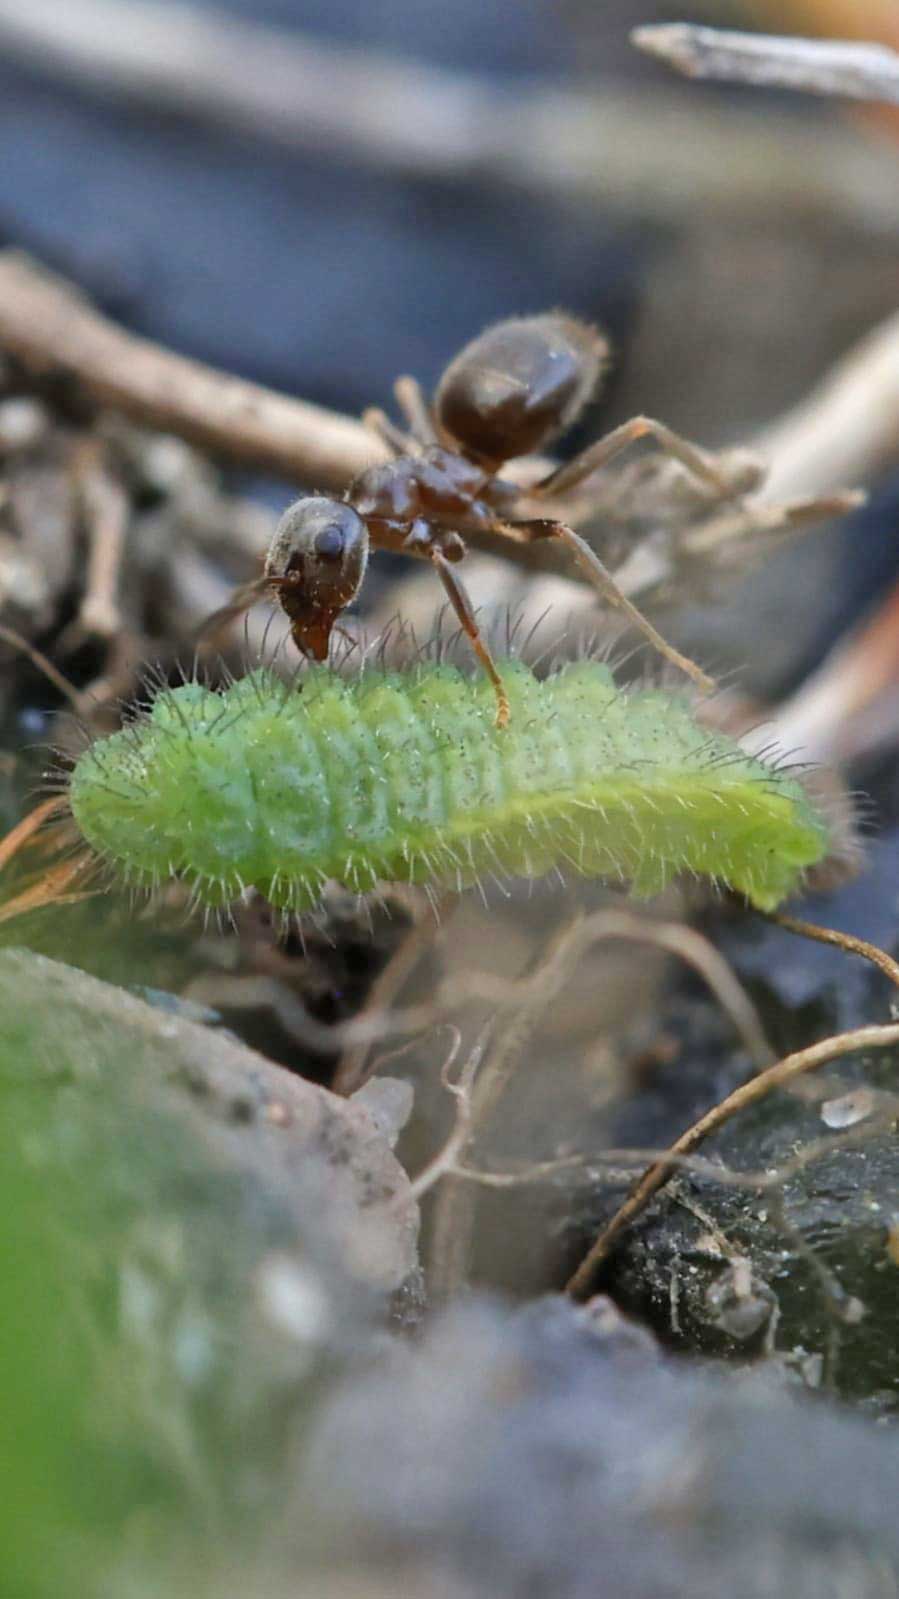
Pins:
x,y
320,195
248,182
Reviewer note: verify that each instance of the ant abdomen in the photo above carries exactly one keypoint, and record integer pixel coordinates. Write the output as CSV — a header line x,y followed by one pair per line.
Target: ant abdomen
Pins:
x,y
520,383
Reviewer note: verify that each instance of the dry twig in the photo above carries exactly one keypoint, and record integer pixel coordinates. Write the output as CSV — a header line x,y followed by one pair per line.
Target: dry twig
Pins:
x,y
403,116
55,333
772,61
850,704
845,431
49,810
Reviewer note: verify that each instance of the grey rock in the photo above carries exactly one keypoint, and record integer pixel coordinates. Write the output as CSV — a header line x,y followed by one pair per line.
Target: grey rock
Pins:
x,y
803,1271
100,1053
555,1451
193,1241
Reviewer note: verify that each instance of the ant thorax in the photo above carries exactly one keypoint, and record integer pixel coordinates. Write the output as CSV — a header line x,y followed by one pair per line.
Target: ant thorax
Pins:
x,y
434,484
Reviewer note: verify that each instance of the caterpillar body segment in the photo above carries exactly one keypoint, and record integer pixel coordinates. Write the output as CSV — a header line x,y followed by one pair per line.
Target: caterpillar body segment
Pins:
x,y
405,777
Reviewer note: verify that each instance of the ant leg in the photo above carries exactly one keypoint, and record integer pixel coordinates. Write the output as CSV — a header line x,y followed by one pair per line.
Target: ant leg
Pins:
x,y
379,422
602,579
416,410
459,599
241,600
697,463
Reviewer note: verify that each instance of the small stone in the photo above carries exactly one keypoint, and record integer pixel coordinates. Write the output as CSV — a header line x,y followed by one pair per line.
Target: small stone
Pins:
x,y
543,1453
23,423
388,1101
849,1108
817,1247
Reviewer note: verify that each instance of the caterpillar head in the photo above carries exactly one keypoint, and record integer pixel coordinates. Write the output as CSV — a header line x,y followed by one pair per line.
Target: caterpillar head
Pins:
x,y
315,564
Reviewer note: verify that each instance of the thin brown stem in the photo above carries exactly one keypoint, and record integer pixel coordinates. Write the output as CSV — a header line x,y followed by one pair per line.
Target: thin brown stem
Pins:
x,y
49,810
844,941
52,888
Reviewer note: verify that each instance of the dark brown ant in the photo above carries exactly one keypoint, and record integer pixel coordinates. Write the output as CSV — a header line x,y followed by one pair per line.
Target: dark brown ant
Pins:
x,y
505,395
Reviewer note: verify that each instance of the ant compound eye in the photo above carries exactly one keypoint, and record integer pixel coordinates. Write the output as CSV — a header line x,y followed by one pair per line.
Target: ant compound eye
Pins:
x,y
322,542
329,544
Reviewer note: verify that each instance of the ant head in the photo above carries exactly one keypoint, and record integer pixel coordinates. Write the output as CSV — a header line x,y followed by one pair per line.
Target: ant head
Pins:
x,y
518,384
315,564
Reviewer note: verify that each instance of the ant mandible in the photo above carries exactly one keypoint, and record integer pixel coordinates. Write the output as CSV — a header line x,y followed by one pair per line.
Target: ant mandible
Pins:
x,y
507,393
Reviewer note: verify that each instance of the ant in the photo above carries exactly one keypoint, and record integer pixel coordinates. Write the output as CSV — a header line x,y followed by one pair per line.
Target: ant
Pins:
x,y
511,390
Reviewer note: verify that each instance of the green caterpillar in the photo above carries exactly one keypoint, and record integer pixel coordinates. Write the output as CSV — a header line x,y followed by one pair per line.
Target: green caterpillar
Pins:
x,y
404,777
